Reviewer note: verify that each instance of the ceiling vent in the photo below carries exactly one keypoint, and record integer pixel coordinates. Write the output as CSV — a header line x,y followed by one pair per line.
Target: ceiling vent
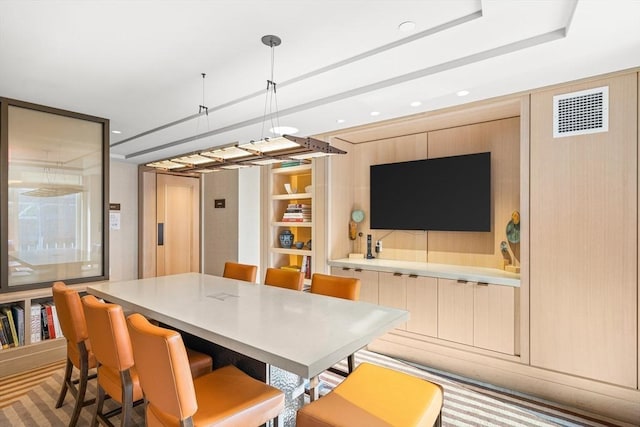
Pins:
x,y
579,113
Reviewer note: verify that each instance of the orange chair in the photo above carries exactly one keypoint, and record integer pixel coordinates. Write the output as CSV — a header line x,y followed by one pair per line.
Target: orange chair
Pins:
x,y
117,376
340,287
246,272
226,396
376,396
79,354
288,279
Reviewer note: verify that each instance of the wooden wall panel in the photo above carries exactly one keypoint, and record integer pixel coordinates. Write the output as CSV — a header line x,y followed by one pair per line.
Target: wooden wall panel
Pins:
x,y
404,245
583,240
147,234
502,139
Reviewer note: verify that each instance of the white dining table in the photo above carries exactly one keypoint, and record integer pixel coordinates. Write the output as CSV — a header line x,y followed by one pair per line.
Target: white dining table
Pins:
x,y
298,332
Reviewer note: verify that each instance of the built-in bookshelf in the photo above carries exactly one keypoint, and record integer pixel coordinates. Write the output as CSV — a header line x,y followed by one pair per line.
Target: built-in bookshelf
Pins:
x,y
291,210
32,312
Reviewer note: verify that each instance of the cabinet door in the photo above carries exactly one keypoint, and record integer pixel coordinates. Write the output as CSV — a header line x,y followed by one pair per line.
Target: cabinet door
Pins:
x,y
368,285
455,311
494,318
422,303
392,292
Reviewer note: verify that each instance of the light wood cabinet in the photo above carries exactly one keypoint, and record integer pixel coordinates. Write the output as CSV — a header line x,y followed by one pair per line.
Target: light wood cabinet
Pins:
x,y
455,311
392,292
494,318
368,281
422,303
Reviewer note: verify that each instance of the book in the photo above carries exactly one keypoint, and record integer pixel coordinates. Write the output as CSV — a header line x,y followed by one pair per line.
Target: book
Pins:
x,y
56,321
3,337
44,321
7,330
36,323
12,325
18,317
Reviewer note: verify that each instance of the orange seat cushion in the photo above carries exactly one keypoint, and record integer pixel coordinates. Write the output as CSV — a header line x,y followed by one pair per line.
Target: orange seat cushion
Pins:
x,y
375,396
227,397
109,380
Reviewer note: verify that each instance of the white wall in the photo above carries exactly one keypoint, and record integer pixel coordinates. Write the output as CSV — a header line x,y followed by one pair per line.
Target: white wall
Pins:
x,y
249,217
123,243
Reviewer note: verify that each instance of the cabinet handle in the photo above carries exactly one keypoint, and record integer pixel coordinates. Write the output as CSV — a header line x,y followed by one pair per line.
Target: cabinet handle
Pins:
x,y
358,270
461,281
483,284
413,276
160,234
345,269
397,274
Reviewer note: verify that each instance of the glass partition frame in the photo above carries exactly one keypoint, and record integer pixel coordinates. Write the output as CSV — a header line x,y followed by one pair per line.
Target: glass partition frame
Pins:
x,y
5,105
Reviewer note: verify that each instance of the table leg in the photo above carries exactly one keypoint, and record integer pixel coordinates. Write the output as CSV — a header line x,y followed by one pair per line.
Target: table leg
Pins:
x,y
314,388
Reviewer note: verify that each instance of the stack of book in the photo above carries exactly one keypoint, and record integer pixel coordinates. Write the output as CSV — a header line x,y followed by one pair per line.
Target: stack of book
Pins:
x,y
297,212
11,326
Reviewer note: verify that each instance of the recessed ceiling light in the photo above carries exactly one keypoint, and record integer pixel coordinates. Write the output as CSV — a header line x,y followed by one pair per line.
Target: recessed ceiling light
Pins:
x,y
407,26
283,130
375,113
416,104
340,121
462,93
117,132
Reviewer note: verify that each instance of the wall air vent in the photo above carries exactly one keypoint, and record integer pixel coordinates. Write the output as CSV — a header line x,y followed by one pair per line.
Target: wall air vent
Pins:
x,y
582,112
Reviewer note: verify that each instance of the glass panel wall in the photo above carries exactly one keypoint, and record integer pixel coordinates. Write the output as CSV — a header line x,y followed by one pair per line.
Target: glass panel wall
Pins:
x,y
55,198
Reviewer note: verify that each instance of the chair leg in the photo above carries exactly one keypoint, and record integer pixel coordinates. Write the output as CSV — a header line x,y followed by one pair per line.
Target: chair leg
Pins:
x,y
127,398
82,389
65,383
99,405
351,362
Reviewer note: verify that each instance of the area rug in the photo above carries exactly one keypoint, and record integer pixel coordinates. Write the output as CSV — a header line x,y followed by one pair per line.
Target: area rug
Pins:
x,y
464,404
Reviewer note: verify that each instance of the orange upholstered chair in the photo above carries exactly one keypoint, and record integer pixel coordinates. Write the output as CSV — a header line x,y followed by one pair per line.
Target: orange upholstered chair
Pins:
x,y
226,396
79,354
245,272
117,376
376,396
288,279
340,287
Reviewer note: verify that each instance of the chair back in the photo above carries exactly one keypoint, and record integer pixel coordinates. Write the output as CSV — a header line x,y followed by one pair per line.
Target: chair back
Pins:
x,y
163,368
108,328
335,286
70,313
288,279
246,272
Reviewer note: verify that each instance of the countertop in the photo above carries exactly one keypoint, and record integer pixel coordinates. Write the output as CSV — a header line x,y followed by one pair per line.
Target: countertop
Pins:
x,y
444,271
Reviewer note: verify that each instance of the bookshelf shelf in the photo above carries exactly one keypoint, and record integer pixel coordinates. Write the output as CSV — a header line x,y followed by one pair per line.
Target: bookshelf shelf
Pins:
x,y
295,205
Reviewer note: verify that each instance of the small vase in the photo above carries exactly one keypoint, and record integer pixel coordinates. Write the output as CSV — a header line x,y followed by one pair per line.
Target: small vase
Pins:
x,y
286,239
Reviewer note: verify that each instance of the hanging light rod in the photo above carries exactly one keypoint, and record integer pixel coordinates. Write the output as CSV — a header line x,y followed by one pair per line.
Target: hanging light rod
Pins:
x,y
264,151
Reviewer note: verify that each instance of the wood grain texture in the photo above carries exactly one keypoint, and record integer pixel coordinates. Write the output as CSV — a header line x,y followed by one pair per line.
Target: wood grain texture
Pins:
x,y
584,213
392,292
455,311
422,303
494,318
502,139
178,208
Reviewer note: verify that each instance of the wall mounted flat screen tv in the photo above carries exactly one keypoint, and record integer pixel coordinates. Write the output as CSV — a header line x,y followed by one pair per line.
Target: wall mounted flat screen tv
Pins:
x,y
445,194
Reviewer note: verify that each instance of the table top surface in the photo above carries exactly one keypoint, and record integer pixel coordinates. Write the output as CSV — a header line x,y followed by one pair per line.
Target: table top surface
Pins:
x,y
297,331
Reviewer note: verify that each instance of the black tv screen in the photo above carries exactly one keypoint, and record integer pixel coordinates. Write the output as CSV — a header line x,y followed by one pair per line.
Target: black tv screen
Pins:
x,y
445,194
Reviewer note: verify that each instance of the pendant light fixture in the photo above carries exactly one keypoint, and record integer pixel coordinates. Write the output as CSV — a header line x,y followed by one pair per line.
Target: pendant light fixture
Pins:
x,y
266,150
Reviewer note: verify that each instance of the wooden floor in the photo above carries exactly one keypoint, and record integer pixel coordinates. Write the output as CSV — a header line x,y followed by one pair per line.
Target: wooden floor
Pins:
x,y
15,386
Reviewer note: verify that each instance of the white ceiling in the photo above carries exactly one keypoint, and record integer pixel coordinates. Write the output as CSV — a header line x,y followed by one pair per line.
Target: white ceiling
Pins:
x,y
138,63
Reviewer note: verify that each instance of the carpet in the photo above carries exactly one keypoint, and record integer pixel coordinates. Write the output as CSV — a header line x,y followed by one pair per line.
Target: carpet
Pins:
x,y
465,404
